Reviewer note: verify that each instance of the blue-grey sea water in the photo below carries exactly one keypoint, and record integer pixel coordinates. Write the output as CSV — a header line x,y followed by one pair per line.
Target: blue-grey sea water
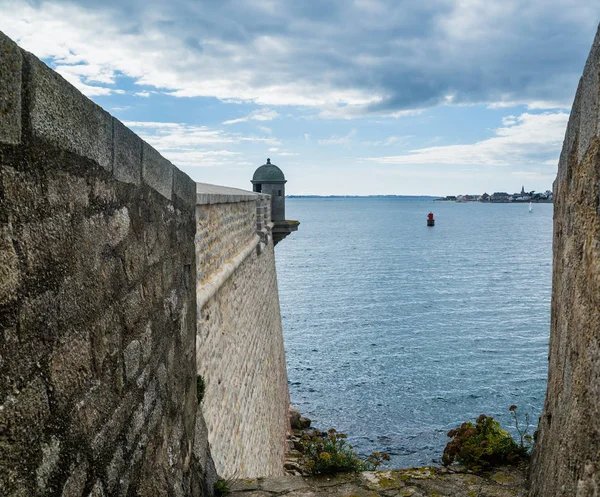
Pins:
x,y
395,332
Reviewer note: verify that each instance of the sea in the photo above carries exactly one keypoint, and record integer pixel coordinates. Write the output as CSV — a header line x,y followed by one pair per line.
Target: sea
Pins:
x,y
396,332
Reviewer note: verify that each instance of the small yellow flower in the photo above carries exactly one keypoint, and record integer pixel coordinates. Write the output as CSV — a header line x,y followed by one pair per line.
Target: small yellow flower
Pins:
x,y
324,456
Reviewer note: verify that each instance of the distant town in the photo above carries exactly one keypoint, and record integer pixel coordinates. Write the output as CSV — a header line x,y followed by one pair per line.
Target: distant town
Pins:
x,y
501,197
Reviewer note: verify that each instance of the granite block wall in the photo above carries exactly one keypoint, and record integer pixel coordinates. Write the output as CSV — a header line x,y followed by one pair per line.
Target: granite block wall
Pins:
x,y
222,230
566,458
239,344
97,301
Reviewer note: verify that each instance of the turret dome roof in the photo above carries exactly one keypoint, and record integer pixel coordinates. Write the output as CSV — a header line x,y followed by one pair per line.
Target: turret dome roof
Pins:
x,y
268,173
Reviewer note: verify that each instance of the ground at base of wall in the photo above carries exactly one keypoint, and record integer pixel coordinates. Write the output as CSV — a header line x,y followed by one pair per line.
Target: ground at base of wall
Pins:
x,y
413,482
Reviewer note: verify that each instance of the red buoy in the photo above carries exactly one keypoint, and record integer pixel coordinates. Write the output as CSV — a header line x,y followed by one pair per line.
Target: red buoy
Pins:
x,y
430,220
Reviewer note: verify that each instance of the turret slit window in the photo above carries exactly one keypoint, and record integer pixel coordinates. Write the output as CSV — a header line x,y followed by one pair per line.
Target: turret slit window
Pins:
x,y
279,194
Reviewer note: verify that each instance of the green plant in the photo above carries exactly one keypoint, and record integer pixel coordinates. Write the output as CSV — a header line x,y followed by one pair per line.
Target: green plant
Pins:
x,y
221,488
329,453
200,387
526,440
483,445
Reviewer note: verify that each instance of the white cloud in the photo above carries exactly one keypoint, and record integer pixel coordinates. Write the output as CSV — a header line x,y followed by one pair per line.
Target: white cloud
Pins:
x,y
257,115
288,154
194,146
529,139
339,140
417,55
89,90
199,158
169,136
152,124
391,140
273,149
143,94
532,104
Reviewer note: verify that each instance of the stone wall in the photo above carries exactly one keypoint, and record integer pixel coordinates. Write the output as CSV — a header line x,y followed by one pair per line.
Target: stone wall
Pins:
x,y
240,343
98,313
566,459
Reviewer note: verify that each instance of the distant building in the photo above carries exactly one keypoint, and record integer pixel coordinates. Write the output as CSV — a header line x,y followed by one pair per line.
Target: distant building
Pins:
x,y
484,198
500,197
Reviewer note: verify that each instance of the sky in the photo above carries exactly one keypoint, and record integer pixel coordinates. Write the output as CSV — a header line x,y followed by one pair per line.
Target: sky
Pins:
x,y
348,97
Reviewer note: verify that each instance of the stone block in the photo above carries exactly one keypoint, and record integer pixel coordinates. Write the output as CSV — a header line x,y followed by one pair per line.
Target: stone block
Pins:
x,y
135,261
106,337
76,482
149,398
106,437
10,273
11,62
161,376
135,426
146,342
25,414
64,117
128,154
97,490
157,172
131,356
114,469
50,458
184,187
144,377
590,91
95,408
67,191
71,369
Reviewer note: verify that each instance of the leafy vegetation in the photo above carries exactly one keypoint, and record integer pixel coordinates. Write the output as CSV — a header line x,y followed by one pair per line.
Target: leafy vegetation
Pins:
x,y
200,387
221,488
484,444
329,453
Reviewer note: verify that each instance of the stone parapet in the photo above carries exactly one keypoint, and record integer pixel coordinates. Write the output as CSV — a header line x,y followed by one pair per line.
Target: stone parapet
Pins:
x,y
59,115
62,116
98,383
216,194
11,67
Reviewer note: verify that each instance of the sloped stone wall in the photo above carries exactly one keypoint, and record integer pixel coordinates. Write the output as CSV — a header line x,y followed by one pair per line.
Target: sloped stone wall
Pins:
x,y
566,459
240,350
97,301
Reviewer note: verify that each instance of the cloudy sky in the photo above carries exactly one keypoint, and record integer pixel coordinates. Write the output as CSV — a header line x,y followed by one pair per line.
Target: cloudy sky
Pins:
x,y
347,96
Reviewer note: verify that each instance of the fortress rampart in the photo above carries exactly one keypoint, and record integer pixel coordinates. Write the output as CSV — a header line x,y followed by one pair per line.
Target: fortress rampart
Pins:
x,y
239,337
110,258
566,458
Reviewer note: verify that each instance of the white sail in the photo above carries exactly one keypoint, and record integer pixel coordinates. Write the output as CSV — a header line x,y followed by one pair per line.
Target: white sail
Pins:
x,y
530,207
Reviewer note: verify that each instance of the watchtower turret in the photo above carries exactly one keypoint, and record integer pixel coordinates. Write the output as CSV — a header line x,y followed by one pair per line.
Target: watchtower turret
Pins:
x,y
269,179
